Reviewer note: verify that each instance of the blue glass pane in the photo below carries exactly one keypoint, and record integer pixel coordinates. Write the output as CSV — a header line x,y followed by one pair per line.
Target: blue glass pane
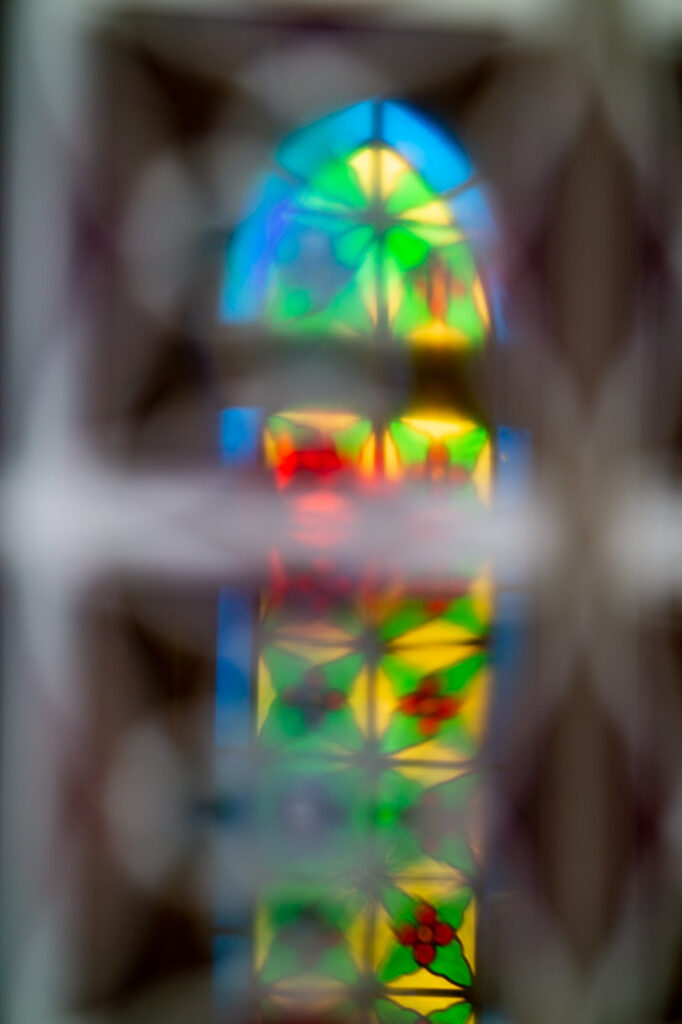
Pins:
x,y
239,435
250,253
307,150
233,672
438,159
232,970
473,213
513,463
497,296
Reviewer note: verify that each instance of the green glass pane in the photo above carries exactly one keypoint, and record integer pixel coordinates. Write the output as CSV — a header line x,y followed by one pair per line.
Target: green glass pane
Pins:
x,y
283,724
399,905
390,1013
461,262
338,181
466,448
412,444
341,673
463,613
464,316
403,676
453,733
285,668
403,731
456,852
412,314
399,962
450,963
406,248
410,191
295,303
399,849
458,792
350,247
396,793
458,676
350,440
337,963
452,910
341,729
407,616
281,962
458,1013
291,728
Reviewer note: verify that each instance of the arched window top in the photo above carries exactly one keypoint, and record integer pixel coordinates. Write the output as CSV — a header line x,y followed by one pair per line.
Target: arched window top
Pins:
x,y
373,224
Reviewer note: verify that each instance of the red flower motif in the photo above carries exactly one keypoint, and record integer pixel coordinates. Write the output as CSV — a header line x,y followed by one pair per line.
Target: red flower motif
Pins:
x,y
437,466
317,457
425,934
430,706
312,699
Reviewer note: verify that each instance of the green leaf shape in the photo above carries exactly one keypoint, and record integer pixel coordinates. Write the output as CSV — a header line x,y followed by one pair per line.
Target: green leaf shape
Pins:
x,y
285,669
406,616
389,1012
452,910
403,731
338,963
412,444
465,449
399,849
457,678
399,962
350,440
399,905
342,672
395,794
281,962
462,613
404,678
458,1013
450,962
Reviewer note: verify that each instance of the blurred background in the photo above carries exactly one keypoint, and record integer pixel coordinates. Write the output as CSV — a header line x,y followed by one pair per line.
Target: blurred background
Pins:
x,y
340,521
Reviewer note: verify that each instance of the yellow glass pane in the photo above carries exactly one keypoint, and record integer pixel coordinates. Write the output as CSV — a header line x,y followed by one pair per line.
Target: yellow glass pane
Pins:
x,y
266,692
439,427
482,474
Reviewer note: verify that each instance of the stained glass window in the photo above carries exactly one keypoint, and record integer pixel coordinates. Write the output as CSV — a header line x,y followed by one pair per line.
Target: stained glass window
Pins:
x,y
369,227
368,696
